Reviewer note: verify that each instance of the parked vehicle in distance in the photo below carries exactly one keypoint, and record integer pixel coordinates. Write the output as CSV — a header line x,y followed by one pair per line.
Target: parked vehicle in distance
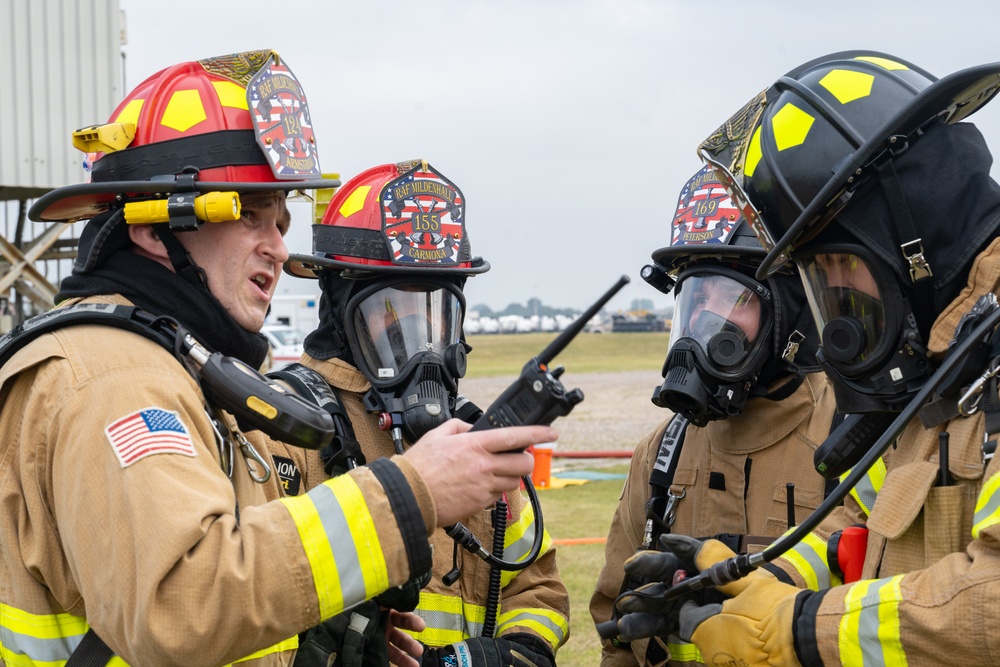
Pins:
x,y
286,345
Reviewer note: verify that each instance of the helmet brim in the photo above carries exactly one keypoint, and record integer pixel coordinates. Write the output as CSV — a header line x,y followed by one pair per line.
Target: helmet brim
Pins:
x,y
305,266
83,201
673,256
951,98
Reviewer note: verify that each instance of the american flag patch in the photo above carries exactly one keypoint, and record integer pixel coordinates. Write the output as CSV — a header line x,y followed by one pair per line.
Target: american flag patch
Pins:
x,y
146,432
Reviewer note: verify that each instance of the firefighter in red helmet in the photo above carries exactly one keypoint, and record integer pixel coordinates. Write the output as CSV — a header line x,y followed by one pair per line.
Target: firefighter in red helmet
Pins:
x,y
133,527
392,255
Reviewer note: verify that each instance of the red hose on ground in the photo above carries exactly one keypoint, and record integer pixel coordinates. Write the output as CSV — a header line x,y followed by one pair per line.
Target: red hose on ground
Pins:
x,y
606,454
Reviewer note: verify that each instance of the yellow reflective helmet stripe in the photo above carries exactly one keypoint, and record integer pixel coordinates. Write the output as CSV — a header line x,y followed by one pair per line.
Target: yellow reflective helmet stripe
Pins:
x,y
553,627
790,125
184,110
847,85
345,556
809,558
883,62
987,507
869,634
754,154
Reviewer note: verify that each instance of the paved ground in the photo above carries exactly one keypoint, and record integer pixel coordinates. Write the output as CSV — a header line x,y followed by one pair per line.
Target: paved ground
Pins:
x,y
615,414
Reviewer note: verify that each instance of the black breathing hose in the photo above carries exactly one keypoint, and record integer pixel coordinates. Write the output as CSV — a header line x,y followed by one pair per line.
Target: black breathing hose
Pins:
x,y
732,569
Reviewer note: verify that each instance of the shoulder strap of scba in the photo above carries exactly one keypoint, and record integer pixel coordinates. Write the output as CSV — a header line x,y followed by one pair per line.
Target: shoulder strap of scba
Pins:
x,y
92,651
123,317
344,452
662,475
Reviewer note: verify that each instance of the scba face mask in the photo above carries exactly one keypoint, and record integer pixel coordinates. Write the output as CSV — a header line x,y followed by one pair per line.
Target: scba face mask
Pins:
x,y
720,338
405,336
871,346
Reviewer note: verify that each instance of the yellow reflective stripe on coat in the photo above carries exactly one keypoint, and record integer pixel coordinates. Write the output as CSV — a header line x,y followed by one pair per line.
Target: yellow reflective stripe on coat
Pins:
x,y
987,507
290,644
809,558
517,541
551,626
48,640
681,651
345,556
867,489
449,619
869,630
38,639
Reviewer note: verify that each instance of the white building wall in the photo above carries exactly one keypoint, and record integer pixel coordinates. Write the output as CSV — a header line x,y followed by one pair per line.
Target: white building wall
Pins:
x,y
60,70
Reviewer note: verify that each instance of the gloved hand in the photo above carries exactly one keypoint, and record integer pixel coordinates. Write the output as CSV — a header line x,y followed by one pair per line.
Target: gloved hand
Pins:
x,y
753,629
351,639
513,650
645,613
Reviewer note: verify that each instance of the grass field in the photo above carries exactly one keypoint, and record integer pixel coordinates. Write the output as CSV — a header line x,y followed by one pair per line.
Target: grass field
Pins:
x,y
494,355
582,511
579,512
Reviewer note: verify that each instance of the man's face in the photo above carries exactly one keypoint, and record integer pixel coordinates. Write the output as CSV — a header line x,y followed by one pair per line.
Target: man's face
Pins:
x,y
242,259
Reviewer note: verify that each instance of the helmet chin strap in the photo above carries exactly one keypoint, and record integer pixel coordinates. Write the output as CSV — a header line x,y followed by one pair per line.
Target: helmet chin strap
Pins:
x,y
180,259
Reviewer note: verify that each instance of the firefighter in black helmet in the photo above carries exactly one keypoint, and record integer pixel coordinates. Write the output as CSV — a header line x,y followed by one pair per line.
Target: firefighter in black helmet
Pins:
x,y
855,166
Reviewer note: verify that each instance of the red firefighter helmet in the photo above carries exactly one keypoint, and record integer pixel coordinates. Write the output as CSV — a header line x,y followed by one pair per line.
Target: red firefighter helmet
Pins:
x,y
403,218
238,122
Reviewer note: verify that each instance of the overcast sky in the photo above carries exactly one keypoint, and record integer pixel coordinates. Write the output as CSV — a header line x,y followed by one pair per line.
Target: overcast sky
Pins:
x,y
569,125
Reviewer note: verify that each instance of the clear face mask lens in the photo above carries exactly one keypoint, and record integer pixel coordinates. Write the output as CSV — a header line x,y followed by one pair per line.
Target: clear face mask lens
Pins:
x,y
720,314
847,305
396,323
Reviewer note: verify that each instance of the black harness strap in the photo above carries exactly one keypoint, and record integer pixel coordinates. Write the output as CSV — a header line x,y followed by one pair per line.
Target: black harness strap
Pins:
x,y
90,652
344,451
124,317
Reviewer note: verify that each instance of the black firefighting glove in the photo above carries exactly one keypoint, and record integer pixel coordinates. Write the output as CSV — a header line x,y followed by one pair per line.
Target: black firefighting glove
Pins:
x,y
644,611
513,650
355,638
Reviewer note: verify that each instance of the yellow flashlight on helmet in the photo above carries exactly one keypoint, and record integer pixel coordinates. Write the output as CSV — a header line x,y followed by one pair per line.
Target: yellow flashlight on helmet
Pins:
x,y
209,207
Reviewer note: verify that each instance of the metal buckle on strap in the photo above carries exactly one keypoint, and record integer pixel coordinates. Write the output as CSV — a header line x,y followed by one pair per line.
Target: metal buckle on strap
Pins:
x,y
794,340
968,404
670,510
913,253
